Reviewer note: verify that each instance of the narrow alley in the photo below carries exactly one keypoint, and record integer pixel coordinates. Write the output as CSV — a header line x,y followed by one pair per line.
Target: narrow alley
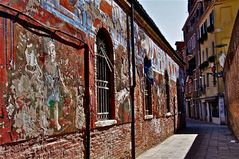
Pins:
x,y
119,79
200,140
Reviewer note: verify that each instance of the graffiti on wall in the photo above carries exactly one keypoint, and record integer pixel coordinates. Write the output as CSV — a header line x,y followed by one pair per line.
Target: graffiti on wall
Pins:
x,y
89,17
119,31
72,12
159,62
119,37
45,94
122,84
45,86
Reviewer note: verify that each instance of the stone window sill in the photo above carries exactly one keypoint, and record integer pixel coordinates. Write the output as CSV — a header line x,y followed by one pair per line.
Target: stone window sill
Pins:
x,y
147,117
168,114
104,123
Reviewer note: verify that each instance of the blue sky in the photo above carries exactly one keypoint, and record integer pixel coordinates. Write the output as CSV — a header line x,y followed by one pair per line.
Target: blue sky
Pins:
x,y
169,16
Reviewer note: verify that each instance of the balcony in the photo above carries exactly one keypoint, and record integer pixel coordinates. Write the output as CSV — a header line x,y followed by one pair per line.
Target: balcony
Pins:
x,y
203,89
210,28
204,65
188,53
200,40
204,36
189,72
192,66
211,59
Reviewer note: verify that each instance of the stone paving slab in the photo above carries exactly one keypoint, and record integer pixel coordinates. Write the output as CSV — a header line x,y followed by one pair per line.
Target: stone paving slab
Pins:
x,y
175,146
200,140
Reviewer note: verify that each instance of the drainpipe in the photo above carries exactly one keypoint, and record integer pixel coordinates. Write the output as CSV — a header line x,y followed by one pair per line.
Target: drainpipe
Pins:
x,y
134,82
87,101
174,115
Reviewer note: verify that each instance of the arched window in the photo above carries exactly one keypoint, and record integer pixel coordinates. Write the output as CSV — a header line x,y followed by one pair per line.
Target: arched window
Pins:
x,y
166,77
147,97
104,76
147,88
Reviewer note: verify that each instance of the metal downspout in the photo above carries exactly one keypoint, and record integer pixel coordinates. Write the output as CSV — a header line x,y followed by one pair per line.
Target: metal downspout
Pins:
x,y
134,82
87,100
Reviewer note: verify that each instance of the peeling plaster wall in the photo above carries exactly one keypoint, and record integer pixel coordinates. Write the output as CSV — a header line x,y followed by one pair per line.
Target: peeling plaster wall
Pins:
x,y
160,127
42,81
44,87
160,62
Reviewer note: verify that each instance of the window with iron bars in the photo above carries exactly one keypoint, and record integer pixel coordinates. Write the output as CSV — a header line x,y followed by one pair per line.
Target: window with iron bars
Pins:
x,y
147,97
104,68
167,90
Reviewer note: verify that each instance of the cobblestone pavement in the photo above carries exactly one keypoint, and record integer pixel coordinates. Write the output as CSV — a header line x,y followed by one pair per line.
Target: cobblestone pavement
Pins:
x,y
200,140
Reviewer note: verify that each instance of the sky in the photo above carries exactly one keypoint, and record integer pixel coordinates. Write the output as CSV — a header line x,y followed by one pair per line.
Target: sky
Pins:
x,y
169,16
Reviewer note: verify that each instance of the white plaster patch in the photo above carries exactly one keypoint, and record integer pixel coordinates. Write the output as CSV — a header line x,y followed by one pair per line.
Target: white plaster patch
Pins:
x,y
2,124
80,115
156,125
222,60
104,123
44,124
120,96
148,117
168,114
10,109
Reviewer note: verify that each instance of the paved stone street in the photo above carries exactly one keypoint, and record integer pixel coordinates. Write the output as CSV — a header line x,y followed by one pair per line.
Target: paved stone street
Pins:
x,y
199,140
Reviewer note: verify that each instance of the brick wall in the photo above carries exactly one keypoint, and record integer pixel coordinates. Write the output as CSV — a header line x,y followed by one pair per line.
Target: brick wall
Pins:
x,y
231,79
69,147
30,131
232,93
113,142
151,132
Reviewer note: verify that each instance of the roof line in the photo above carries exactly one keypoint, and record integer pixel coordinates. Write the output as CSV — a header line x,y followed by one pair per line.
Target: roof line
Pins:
x,y
140,10
191,13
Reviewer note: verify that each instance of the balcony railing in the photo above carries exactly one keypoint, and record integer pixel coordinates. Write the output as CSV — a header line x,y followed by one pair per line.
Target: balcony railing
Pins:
x,y
201,40
210,28
188,53
203,89
204,65
211,58
205,36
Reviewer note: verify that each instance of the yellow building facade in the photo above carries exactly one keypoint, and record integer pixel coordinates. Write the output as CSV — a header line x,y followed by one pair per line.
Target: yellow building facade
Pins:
x,y
215,29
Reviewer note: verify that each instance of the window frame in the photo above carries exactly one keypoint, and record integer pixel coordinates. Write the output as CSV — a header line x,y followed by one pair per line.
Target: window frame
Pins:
x,y
167,87
208,80
147,97
109,97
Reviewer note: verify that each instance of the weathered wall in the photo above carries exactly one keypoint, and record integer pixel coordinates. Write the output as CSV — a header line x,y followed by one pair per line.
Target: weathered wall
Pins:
x,y
111,142
43,92
67,146
42,83
231,79
160,126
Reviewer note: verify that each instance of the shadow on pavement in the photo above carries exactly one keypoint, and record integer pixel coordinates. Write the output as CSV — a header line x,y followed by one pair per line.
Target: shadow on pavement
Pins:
x,y
212,142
